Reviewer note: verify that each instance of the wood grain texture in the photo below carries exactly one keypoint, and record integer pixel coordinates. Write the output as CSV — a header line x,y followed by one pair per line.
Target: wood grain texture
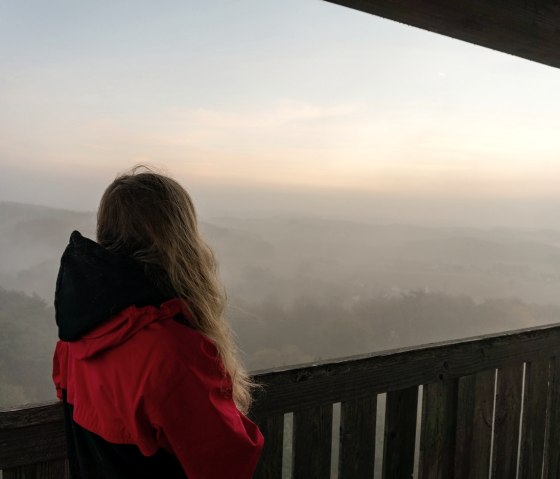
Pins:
x,y
525,28
552,444
437,438
44,470
475,409
357,438
270,463
32,435
534,419
350,378
506,422
312,443
400,433
36,434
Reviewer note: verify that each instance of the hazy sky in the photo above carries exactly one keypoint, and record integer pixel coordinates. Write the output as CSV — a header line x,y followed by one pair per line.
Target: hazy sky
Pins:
x,y
289,103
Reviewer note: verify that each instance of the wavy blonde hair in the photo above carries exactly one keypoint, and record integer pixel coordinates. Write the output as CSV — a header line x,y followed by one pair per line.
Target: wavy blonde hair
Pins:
x,y
150,216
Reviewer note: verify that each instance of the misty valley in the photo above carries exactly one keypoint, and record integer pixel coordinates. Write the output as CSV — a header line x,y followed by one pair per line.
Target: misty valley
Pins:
x,y
299,289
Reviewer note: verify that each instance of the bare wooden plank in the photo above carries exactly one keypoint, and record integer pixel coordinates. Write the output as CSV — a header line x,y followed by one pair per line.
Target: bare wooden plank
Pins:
x,y
439,420
57,469
31,415
270,463
357,438
349,378
312,443
400,433
475,409
525,28
32,444
534,419
506,421
552,446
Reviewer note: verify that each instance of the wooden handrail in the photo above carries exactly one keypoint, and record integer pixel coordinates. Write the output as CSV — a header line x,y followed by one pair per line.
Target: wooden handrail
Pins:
x,y
461,381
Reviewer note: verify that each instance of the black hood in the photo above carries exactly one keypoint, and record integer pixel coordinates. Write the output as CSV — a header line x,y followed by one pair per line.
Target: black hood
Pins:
x,y
95,284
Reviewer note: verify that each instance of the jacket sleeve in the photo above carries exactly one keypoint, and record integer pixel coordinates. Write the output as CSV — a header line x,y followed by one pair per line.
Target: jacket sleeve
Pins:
x,y
59,369
196,419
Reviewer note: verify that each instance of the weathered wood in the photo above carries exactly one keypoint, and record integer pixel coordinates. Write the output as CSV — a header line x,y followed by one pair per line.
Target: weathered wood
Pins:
x,y
400,433
349,378
534,419
35,435
31,415
312,443
57,469
31,435
475,410
270,463
525,28
356,458
552,446
506,421
439,420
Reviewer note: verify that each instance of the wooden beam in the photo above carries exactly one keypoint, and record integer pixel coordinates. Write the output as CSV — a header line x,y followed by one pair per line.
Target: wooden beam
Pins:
x,y
525,28
292,389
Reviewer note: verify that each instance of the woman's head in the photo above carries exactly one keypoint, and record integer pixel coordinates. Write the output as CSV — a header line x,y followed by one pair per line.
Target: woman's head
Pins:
x,y
146,215
150,217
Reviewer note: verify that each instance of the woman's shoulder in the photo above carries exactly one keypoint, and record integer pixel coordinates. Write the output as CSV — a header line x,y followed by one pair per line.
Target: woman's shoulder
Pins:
x,y
175,348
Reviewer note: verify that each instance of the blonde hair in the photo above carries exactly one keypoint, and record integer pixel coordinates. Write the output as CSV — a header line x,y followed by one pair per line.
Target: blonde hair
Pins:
x,y
151,217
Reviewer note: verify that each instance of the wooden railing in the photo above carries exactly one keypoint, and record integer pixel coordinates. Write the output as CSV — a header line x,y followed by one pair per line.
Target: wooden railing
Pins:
x,y
476,408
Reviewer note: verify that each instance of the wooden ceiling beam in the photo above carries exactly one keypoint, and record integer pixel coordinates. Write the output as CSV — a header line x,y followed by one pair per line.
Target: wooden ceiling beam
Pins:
x,y
525,28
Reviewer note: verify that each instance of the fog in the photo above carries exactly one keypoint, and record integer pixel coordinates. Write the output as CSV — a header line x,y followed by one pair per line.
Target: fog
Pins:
x,y
301,288
365,185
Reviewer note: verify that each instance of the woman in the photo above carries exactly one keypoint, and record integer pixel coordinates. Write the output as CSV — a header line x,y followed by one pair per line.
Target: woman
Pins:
x,y
146,366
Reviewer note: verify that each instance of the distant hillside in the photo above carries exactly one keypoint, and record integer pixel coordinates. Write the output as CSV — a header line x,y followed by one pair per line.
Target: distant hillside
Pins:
x,y
300,289
286,258
27,339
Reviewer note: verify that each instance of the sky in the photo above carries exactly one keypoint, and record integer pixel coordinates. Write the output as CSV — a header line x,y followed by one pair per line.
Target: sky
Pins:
x,y
263,106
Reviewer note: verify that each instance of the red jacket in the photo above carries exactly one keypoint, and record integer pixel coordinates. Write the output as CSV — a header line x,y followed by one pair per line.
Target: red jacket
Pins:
x,y
143,379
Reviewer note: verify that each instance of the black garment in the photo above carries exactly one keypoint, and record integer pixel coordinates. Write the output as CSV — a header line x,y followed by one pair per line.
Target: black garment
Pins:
x,y
91,457
93,285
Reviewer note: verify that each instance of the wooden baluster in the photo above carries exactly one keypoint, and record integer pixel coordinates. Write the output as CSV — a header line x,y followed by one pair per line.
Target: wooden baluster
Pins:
x,y
437,439
552,445
400,433
270,463
357,438
534,419
506,421
475,409
312,443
